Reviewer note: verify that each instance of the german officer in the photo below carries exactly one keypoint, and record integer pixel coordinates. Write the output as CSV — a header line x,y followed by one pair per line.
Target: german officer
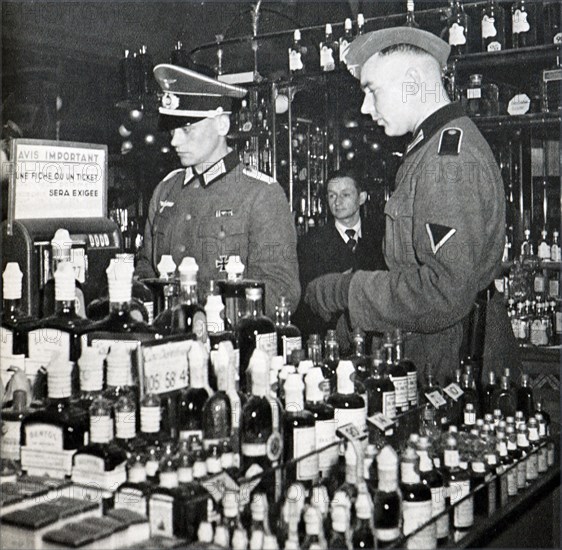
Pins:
x,y
445,221
215,207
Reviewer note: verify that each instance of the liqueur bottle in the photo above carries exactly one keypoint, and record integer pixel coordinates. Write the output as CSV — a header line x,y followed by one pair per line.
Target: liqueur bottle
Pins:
x,y
187,316
410,17
457,482
288,335
331,361
10,444
504,398
525,402
100,461
523,24
151,439
325,430
416,503
387,499
261,430
360,362
516,456
192,399
314,346
348,405
60,428
125,415
218,327
345,42
457,24
542,460
134,493
506,475
363,531
485,496
487,404
469,421
299,435
525,448
381,392
221,412
398,376
339,539
297,55
432,478
329,50
255,331
314,534
409,367
492,29
534,442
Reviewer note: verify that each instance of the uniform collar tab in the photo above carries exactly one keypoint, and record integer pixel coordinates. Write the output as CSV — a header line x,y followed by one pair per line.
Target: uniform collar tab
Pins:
x,y
210,174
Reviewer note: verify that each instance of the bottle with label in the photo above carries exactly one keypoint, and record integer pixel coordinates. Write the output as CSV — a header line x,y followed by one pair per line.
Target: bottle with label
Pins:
x,y
314,347
457,483
525,402
409,367
416,503
233,291
542,462
119,375
410,17
525,448
59,429
554,285
555,247
492,28
255,331
504,398
288,335
221,412
297,55
134,493
339,539
314,533
502,470
101,461
331,360
10,443
517,474
299,435
91,367
125,415
325,428
360,24
261,429
534,442
192,399
345,41
474,100
486,402
360,362
329,51
380,390
398,376
544,249
523,24
245,123
432,478
363,535
224,531
457,25
387,500
348,405
480,474
469,417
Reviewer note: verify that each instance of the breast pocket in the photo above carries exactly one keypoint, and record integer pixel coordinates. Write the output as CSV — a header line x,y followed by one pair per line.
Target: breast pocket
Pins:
x,y
162,231
399,233
224,236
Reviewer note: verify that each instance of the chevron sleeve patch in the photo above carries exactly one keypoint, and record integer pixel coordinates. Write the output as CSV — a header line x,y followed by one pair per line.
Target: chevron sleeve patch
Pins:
x,y
438,235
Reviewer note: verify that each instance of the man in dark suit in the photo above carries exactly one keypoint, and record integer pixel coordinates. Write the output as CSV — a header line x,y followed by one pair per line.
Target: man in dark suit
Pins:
x,y
346,243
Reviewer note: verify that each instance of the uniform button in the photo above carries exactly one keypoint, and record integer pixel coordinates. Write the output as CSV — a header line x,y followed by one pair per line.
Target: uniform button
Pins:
x,y
196,185
188,217
182,248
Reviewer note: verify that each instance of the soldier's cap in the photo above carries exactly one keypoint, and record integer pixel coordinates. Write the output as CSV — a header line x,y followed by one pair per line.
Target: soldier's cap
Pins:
x,y
189,96
368,44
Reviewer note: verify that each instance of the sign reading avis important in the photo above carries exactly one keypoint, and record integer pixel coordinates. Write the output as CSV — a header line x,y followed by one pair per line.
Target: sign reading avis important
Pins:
x,y
57,179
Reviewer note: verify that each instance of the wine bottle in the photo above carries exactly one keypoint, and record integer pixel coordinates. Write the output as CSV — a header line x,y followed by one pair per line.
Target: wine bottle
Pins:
x,y
380,391
151,439
493,27
398,376
457,24
504,398
297,55
363,532
331,361
523,24
516,455
360,362
487,405
409,367
525,402
289,336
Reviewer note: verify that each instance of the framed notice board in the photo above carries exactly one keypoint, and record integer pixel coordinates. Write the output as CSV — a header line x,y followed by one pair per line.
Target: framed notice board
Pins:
x,y
57,179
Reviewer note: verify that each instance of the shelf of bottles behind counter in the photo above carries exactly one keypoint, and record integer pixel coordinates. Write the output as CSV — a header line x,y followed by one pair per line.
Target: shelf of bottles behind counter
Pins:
x,y
260,421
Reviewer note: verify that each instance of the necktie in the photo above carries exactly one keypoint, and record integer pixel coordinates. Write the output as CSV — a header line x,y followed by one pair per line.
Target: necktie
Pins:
x,y
351,242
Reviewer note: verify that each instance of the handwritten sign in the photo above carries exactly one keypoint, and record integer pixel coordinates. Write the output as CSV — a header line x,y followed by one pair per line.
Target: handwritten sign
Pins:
x,y
436,399
164,365
57,179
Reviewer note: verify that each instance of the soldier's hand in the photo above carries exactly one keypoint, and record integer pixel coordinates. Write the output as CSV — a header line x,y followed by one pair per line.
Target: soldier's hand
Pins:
x,y
328,294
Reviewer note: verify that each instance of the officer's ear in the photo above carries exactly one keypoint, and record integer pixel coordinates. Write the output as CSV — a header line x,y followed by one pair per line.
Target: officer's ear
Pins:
x,y
362,198
223,124
414,75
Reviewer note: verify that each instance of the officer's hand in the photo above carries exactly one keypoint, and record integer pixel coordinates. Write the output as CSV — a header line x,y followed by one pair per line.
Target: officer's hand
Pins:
x,y
328,294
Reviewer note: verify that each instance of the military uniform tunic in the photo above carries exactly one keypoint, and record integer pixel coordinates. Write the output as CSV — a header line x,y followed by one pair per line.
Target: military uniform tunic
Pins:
x,y
445,227
227,210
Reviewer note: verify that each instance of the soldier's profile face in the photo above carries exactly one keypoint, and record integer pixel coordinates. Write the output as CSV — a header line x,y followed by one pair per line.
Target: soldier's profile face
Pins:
x,y
196,143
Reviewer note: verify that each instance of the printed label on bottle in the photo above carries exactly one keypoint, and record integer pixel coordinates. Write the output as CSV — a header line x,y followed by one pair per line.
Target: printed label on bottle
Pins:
x,y
10,441
326,434
150,419
125,424
488,27
520,22
87,462
464,512
131,499
357,417
161,515
558,322
494,46
42,343
39,462
101,429
437,506
457,35
295,61
413,388
304,442
290,344
268,343
539,332
389,404
388,535
253,449
149,306
512,488
45,437
151,467
401,392
473,93
416,514
327,62
532,466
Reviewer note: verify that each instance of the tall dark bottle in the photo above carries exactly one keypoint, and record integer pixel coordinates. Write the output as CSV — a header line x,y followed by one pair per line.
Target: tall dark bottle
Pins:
x,y
380,391
457,24
409,367
288,335
256,331
331,360
360,362
261,429
398,375
487,397
299,435
525,400
492,29
363,531
524,24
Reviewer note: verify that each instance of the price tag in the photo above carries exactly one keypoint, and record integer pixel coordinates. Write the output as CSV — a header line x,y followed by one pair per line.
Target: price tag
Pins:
x,y
349,432
380,421
436,399
164,365
454,391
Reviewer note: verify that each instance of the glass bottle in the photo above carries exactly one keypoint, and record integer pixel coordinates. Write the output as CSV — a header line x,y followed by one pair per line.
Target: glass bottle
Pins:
x,y
230,520
255,331
504,462
299,435
10,443
555,247
504,398
261,430
517,474
288,335
360,362
125,414
363,535
525,400
339,539
416,503
60,428
474,100
345,42
314,534
360,24
493,27
409,367
314,347
487,405
380,390
91,367
329,49
469,421
410,17
134,493
331,360
192,399
218,327
151,439
542,461
387,500
297,55
457,25
523,24
534,442
398,376
119,375
524,447
544,249
100,459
